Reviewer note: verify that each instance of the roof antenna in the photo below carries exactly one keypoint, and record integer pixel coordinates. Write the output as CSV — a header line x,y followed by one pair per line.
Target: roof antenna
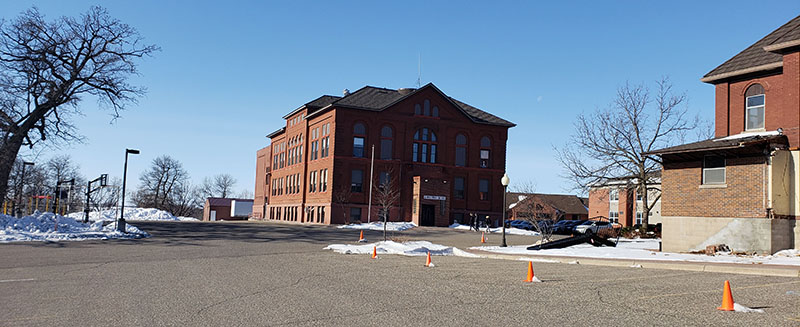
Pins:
x,y
419,71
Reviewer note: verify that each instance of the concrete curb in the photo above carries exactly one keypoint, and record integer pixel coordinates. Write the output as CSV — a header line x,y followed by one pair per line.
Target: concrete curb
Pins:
x,y
728,268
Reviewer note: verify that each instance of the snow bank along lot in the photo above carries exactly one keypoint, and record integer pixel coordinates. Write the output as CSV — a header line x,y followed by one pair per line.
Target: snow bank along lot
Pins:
x,y
647,249
509,231
131,214
390,226
413,248
42,227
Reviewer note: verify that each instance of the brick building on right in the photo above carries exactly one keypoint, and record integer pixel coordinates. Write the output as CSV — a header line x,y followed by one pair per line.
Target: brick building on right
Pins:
x,y
741,188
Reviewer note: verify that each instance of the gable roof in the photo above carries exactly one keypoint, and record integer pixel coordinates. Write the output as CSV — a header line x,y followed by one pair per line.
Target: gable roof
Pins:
x,y
378,99
566,203
761,56
314,105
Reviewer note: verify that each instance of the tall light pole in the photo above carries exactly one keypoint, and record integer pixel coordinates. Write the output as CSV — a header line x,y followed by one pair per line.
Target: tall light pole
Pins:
x,y
121,221
505,180
21,188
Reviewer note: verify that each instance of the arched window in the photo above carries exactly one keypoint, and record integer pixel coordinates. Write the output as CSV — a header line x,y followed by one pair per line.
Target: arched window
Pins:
x,y
417,109
424,147
427,108
359,135
486,152
435,111
461,150
754,107
387,136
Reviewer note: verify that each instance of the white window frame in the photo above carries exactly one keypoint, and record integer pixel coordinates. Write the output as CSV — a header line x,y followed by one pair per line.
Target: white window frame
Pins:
x,y
613,195
723,168
747,109
613,216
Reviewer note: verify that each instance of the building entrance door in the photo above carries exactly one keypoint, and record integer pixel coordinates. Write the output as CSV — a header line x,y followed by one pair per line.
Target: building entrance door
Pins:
x,y
213,215
428,215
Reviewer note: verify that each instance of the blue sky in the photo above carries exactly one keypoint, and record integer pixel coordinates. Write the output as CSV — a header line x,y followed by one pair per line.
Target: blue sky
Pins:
x,y
228,70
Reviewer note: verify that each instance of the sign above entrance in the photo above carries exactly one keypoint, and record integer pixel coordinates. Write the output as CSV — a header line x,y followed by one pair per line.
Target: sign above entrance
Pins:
x,y
434,197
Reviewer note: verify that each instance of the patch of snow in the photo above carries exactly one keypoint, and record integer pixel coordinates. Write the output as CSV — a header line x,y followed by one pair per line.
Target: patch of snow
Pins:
x,y
740,308
498,230
538,260
42,227
747,134
390,226
413,248
646,249
519,199
535,280
133,214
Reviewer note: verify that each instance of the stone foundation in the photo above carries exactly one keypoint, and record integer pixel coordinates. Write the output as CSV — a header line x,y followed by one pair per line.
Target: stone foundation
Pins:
x,y
765,236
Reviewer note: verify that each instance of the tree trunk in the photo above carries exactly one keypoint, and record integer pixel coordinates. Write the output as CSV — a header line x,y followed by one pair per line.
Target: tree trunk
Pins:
x,y
8,155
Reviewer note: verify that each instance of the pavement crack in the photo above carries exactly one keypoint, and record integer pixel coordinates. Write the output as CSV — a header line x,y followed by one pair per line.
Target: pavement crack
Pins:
x,y
239,297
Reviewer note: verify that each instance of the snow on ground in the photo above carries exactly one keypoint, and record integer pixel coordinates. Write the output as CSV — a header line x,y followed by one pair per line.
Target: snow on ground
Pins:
x,y
390,226
498,230
130,214
647,249
42,227
740,308
413,248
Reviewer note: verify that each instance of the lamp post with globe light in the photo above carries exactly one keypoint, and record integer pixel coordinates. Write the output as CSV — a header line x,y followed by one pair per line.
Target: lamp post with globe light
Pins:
x,y
505,180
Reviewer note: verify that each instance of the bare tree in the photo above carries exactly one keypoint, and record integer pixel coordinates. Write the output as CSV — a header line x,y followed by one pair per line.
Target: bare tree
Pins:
x,y
46,68
218,186
341,197
386,194
245,194
533,208
108,197
164,186
615,142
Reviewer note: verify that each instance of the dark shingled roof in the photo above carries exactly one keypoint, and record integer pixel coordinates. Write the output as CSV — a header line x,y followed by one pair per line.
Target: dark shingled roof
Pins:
x,y
723,143
314,105
755,58
378,99
569,204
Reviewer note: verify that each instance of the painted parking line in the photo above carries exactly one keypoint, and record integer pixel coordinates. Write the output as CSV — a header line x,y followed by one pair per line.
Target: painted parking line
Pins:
x,y
717,291
17,280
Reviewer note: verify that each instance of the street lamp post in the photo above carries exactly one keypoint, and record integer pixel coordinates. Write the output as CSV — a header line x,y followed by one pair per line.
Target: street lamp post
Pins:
x,y
505,182
121,221
21,188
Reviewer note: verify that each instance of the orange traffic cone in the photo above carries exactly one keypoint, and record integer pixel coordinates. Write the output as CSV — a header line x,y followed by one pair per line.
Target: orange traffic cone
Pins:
x,y
530,272
361,237
428,262
727,298
374,252
483,238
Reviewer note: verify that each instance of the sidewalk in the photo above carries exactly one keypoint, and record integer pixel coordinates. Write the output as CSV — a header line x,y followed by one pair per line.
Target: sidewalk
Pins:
x,y
718,267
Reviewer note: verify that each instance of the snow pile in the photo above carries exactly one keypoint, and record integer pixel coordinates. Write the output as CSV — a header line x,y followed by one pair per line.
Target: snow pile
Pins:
x,y
130,214
413,248
519,199
498,230
740,308
42,227
390,226
646,249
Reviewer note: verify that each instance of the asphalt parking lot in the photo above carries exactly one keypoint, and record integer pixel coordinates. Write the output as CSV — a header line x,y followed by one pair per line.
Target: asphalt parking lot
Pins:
x,y
269,274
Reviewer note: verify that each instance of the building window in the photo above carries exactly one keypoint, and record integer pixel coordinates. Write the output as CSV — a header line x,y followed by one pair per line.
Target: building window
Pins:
x,y
427,108
359,135
323,180
417,109
424,146
461,150
458,187
613,216
355,214
321,214
435,111
386,142
713,170
754,107
486,150
639,216
483,188
325,146
312,182
613,195
356,181
383,179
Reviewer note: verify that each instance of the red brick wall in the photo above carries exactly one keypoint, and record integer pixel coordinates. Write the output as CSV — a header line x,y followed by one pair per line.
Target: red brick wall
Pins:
x,y
598,202
744,195
401,118
261,194
782,102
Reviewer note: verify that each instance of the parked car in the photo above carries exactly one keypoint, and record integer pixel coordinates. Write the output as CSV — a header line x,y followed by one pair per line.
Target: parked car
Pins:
x,y
569,226
592,227
560,226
